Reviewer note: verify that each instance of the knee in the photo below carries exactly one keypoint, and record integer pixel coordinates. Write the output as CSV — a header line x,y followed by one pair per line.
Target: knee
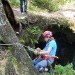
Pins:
x,y
37,66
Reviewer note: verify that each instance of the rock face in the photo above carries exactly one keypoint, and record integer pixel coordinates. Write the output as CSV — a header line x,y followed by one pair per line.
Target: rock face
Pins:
x,y
18,51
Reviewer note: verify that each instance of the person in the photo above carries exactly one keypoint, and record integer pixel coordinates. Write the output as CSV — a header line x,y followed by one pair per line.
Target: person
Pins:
x,y
49,50
23,6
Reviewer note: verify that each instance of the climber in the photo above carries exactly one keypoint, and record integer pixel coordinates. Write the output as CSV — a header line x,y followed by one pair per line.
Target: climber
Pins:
x,y
46,54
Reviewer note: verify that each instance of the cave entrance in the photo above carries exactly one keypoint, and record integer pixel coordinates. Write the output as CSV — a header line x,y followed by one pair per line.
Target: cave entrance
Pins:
x,y
65,48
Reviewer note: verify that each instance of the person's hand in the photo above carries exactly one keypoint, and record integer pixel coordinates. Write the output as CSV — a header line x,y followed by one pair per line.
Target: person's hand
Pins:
x,y
38,49
36,52
42,50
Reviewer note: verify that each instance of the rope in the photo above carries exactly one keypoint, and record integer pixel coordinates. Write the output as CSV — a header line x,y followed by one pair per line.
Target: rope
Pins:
x,y
5,44
9,44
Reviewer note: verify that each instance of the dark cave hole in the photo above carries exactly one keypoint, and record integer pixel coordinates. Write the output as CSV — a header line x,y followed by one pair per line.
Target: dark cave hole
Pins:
x,y
64,48
10,15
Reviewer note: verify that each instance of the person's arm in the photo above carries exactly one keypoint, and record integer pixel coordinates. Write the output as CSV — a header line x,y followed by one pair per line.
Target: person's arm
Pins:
x,y
46,52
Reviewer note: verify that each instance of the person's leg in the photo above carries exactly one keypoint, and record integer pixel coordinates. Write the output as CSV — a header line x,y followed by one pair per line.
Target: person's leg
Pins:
x,y
41,65
25,5
21,6
35,61
50,61
49,67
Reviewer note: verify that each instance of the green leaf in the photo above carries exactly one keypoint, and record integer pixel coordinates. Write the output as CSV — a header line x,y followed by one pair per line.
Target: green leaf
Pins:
x,y
35,41
31,40
59,25
22,41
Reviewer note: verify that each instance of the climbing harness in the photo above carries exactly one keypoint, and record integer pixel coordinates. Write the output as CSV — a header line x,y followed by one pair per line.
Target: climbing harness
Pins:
x,y
46,57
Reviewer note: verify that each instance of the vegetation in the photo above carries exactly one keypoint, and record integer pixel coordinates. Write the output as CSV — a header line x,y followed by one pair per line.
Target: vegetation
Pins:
x,y
45,5
48,5
15,3
33,31
62,70
51,5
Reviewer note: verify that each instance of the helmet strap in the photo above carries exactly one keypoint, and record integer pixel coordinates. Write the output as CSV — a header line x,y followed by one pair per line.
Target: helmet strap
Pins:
x,y
52,38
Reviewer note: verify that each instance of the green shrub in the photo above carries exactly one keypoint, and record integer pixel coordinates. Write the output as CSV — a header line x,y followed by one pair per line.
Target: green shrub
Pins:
x,y
46,4
64,70
33,32
39,5
15,3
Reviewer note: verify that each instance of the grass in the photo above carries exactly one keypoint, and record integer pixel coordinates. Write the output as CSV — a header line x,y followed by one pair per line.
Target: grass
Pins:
x,y
65,70
62,70
45,5
14,3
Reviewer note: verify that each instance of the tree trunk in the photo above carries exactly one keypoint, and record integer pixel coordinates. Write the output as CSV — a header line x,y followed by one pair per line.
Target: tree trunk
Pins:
x,y
8,36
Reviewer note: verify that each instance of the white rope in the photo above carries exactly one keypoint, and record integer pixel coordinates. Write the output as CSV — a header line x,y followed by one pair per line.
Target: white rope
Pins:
x,y
9,44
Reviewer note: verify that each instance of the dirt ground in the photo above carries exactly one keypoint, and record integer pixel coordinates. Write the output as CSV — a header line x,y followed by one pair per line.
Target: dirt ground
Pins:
x,y
69,13
18,14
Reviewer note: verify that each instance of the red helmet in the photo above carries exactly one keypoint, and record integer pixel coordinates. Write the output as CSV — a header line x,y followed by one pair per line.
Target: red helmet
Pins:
x,y
47,34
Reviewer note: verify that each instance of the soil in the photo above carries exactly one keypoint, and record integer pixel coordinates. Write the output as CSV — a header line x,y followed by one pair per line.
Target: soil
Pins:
x,y
68,13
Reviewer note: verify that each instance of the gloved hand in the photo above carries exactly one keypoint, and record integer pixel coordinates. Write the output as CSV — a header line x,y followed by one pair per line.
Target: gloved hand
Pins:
x,y
38,49
36,52
42,50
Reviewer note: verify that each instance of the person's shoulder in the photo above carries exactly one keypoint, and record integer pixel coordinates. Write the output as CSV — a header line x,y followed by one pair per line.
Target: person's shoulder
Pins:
x,y
52,41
